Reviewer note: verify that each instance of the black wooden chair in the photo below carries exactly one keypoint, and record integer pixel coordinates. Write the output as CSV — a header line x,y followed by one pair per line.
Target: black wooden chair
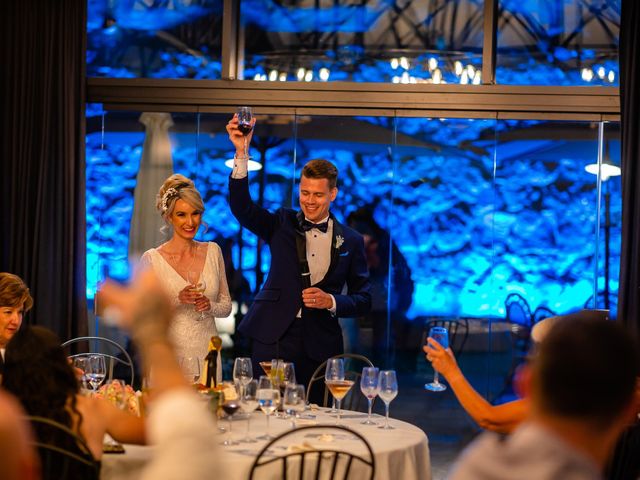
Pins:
x,y
458,329
301,454
353,371
68,456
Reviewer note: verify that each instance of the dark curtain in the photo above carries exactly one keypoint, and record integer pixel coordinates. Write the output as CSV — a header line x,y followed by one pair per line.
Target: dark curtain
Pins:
x,y
42,179
629,290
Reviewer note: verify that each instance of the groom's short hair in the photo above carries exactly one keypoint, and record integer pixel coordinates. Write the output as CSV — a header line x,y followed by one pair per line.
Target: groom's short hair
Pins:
x,y
320,168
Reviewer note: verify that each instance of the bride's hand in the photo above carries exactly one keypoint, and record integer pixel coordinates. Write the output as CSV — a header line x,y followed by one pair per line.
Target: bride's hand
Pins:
x,y
188,296
203,304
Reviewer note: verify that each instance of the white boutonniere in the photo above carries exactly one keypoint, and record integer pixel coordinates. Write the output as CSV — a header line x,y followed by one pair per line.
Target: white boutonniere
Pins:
x,y
339,241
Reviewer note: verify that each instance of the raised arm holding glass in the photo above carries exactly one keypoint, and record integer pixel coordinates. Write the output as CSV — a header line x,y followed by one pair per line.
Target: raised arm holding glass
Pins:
x,y
313,256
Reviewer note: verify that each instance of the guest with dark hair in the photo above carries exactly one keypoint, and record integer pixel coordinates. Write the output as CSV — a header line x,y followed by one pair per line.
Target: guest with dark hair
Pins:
x,y
38,373
581,383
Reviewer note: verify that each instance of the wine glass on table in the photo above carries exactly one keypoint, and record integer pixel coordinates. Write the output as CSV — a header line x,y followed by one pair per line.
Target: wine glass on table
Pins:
x,y
245,125
369,387
198,286
266,367
230,407
440,335
288,377
268,400
242,372
388,385
191,368
336,383
80,364
96,371
248,404
294,401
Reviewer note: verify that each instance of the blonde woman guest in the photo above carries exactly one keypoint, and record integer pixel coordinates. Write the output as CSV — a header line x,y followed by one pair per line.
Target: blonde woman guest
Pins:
x,y
182,262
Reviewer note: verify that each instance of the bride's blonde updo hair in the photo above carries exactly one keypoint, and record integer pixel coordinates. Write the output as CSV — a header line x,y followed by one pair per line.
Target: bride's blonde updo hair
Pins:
x,y
177,187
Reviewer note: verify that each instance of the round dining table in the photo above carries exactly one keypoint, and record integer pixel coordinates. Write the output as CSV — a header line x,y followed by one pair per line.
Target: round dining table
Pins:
x,y
400,453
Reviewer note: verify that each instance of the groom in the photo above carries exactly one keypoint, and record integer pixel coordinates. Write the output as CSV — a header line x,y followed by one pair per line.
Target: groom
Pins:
x,y
313,256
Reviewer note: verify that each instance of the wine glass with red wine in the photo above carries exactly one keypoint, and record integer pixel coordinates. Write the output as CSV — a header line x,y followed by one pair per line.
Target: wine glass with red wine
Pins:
x,y
245,124
230,407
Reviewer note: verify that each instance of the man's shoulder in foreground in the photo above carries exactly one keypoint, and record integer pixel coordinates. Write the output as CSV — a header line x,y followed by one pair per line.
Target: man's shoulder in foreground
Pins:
x,y
531,452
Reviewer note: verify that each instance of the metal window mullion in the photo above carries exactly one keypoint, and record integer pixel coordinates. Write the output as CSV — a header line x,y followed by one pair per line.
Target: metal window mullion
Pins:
x,y
230,44
489,45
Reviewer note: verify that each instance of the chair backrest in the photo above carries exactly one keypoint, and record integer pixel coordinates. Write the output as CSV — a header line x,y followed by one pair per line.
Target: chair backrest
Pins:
x,y
113,352
301,453
66,457
353,371
518,310
458,329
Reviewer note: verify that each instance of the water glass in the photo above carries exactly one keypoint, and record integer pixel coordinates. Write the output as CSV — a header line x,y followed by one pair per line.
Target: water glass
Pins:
x,y
242,372
294,401
96,371
268,400
191,368
440,335
248,404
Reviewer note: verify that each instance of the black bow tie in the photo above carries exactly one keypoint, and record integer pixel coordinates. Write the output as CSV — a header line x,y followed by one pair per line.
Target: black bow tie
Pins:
x,y
307,225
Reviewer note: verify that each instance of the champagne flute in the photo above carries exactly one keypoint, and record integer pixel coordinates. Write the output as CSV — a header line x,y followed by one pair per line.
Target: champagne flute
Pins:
x,y
294,401
96,371
191,368
336,383
440,335
242,372
245,125
369,387
230,407
248,404
199,286
268,400
388,385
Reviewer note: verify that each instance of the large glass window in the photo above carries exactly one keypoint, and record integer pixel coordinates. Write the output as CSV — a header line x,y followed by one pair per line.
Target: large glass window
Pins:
x,y
374,41
558,42
154,38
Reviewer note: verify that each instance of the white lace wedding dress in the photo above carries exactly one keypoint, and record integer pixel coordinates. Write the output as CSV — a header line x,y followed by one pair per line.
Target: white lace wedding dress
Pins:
x,y
191,335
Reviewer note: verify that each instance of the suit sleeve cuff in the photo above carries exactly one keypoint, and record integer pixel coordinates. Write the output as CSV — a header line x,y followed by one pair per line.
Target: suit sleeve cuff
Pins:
x,y
333,308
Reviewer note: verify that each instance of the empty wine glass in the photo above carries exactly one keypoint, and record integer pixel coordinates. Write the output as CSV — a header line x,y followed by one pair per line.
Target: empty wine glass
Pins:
x,y
336,383
440,335
199,286
248,404
80,364
96,371
388,385
294,401
191,368
268,400
245,125
242,372
369,387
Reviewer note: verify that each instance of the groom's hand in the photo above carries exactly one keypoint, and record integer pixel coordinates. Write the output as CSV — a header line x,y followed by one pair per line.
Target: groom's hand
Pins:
x,y
237,137
315,298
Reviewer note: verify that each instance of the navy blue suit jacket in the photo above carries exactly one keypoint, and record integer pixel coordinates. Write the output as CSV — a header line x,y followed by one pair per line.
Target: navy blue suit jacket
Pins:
x,y
278,302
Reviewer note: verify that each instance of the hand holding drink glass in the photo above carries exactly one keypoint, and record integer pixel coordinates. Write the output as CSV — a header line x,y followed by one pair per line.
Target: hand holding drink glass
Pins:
x,y
198,286
440,335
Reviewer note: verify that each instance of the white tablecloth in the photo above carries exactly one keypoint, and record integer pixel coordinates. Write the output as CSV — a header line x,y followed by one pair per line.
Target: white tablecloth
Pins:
x,y
400,454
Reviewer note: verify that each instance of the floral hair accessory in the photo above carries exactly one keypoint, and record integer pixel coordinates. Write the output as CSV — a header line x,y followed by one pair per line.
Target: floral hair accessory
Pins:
x,y
339,241
170,193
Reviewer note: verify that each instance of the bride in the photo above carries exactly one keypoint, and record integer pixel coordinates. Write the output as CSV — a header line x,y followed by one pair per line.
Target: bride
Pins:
x,y
186,266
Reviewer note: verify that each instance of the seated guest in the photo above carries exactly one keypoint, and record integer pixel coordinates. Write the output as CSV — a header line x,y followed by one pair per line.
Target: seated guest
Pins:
x,y
18,460
180,426
38,374
15,301
581,387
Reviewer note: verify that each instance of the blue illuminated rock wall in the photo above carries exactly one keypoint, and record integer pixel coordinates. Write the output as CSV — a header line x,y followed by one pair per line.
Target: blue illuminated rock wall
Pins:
x,y
470,236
